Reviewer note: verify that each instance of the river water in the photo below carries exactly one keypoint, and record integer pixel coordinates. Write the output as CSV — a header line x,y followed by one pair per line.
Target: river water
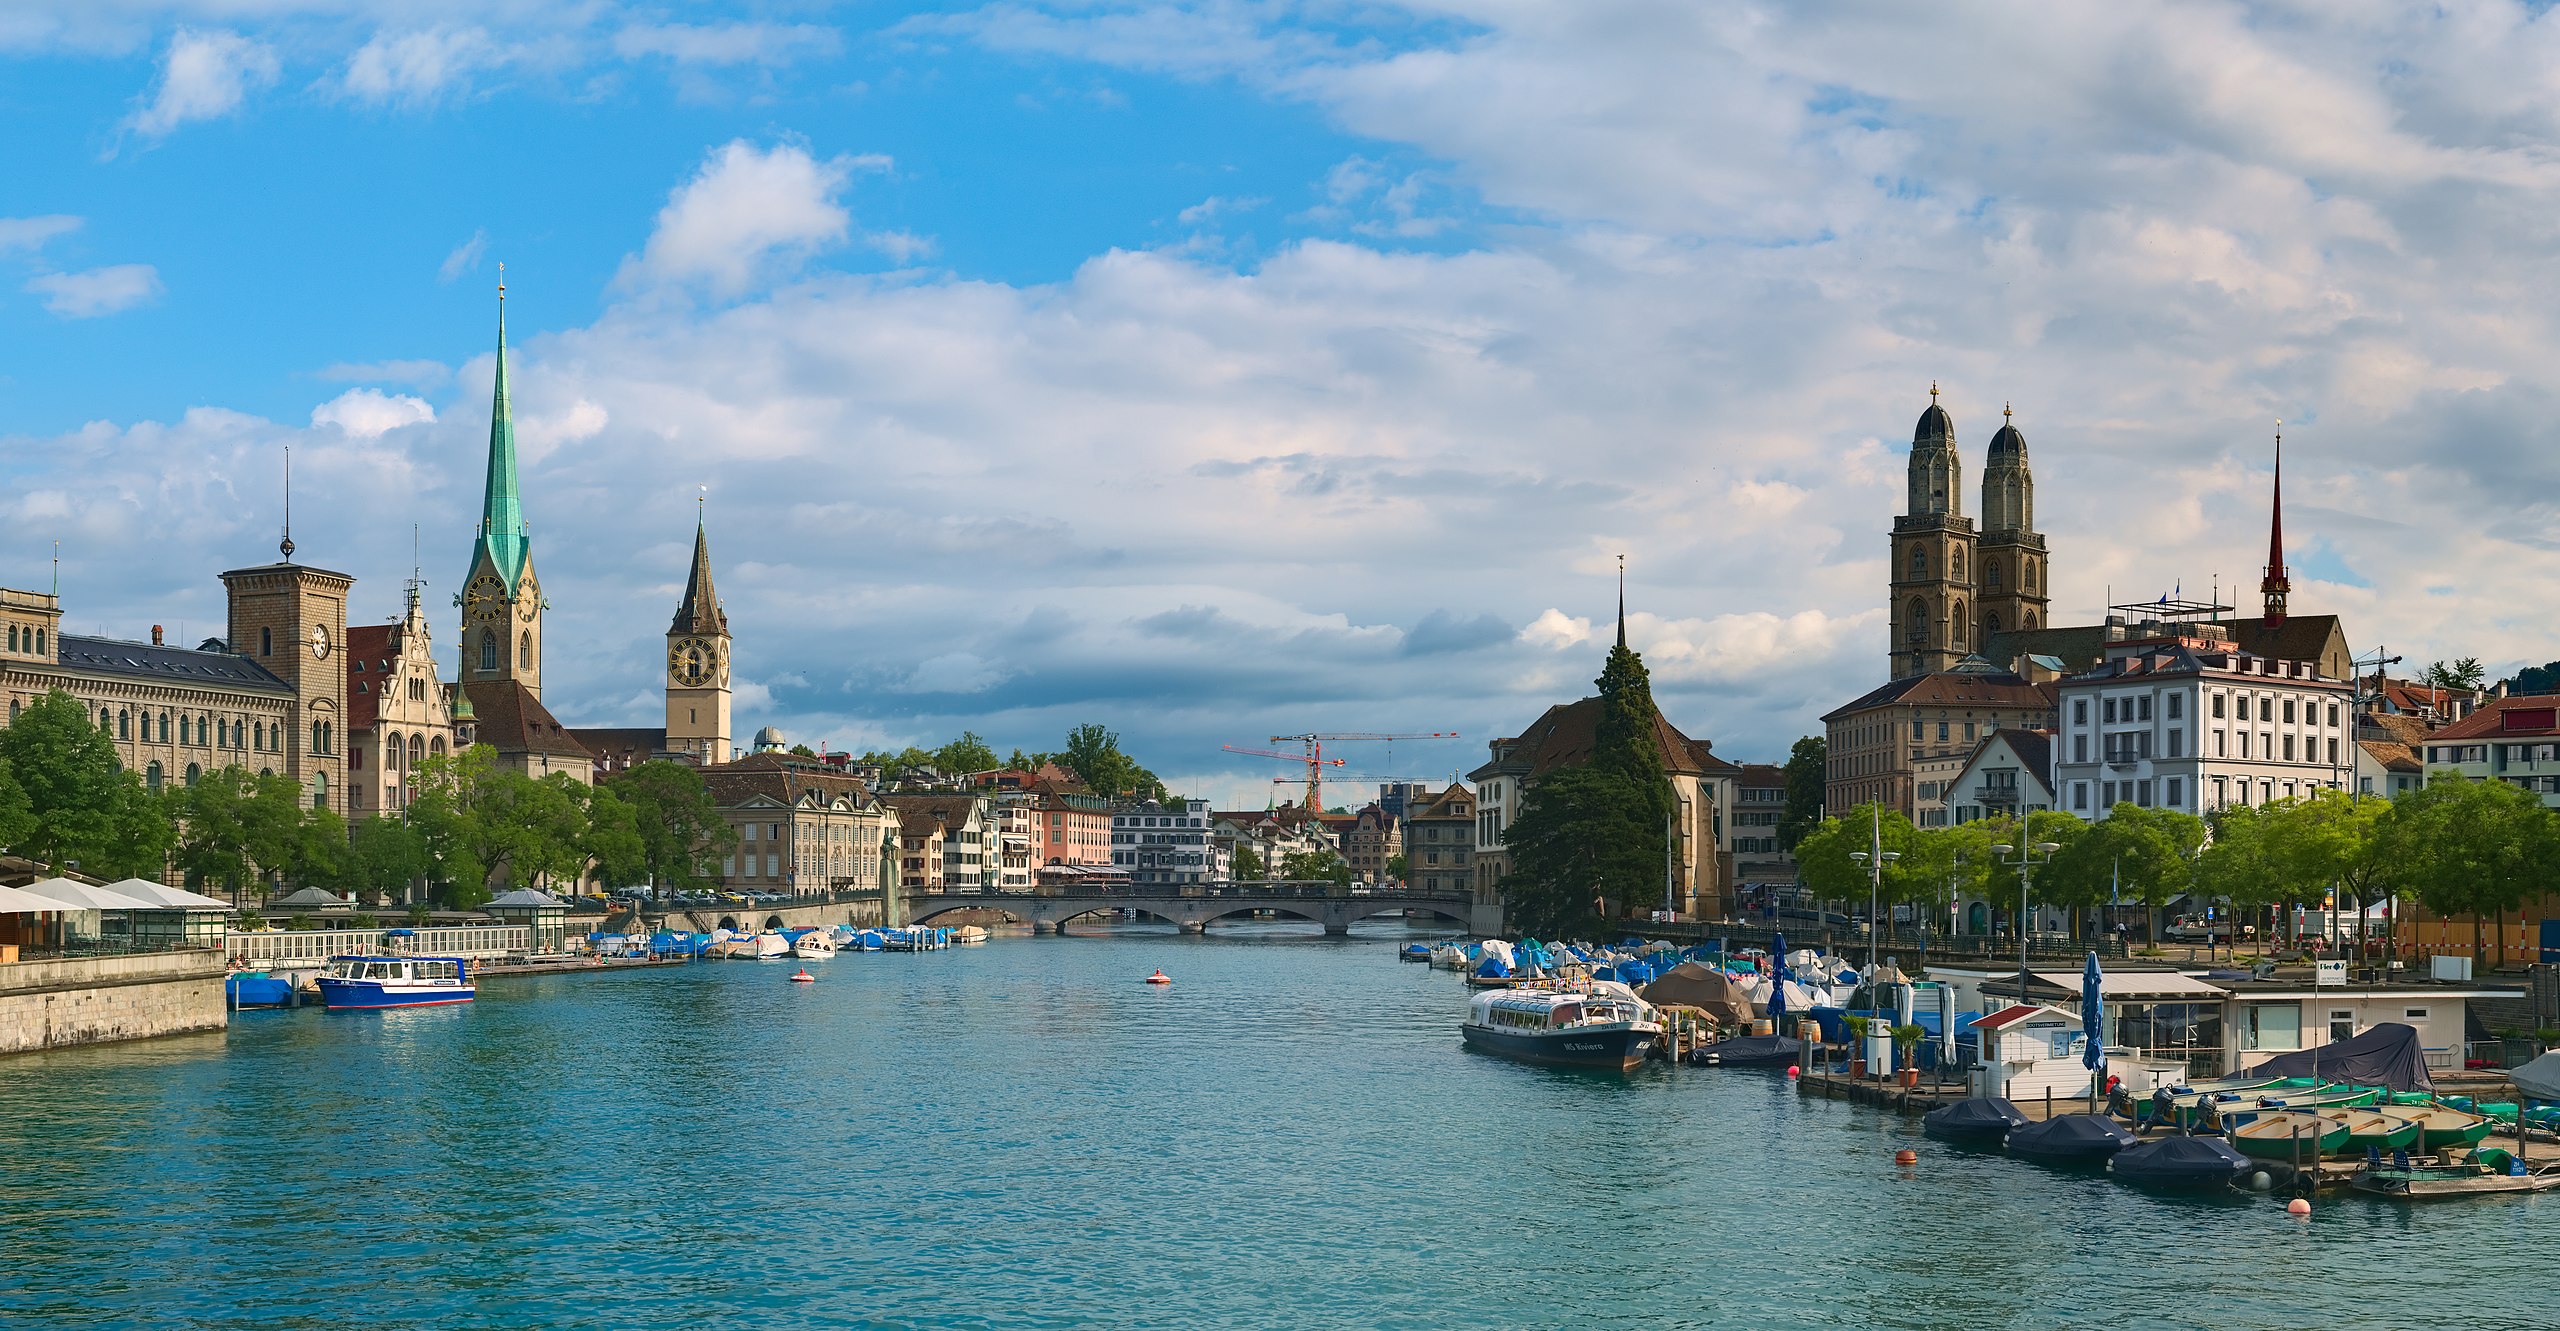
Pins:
x,y
1022,1135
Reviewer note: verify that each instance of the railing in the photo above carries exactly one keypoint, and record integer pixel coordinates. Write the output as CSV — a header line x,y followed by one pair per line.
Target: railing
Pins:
x,y
1290,891
1908,944
79,949
271,947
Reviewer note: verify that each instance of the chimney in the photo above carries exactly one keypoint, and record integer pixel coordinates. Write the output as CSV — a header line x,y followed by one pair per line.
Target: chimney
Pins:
x,y
155,635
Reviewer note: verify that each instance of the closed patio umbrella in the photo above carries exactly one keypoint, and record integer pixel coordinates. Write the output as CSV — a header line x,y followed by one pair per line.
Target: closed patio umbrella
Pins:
x,y
2093,1021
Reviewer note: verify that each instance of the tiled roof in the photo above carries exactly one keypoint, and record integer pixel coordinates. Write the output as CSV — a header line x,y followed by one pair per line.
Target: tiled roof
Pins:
x,y
512,720
2396,728
1447,805
778,777
2533,714
1564,734
918,813
1761,776
1954,688
2077,648
2298,638
2394,756
165,665
2033,747
372,651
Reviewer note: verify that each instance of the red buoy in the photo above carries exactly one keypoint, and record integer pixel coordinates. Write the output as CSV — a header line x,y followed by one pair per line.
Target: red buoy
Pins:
x,y
804,977
1794,1072
1906,1156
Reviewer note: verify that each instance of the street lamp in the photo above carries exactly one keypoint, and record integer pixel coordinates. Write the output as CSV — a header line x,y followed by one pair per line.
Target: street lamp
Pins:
x,y
1875,858
2026,859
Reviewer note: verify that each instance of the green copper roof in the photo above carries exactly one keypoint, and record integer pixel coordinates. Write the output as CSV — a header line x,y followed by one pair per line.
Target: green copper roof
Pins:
x,y
502,530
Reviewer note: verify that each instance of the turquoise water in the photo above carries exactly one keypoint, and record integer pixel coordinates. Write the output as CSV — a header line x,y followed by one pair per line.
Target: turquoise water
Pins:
x,y
1022,1135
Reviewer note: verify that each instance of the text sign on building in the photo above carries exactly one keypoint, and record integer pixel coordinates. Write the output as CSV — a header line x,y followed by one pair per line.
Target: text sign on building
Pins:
x,y
2329,972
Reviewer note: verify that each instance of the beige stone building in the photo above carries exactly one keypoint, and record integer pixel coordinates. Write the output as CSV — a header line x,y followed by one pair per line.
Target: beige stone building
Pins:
x,y
802,826
942,841
399,713
1440,842
1373,840
1878,742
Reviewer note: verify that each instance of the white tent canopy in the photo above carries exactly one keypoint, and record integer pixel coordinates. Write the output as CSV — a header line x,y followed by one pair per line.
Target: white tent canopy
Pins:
x,y
19,901
82,896
167,897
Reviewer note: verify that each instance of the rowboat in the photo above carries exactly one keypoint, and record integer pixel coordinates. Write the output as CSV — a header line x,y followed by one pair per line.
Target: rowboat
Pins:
x,y
2189,1109
2420,1183
2283,1136
2440,1126
2374,1128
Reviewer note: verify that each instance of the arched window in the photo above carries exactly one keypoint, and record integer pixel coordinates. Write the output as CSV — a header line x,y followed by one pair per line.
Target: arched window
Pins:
x,y
151,778
1990,627
195,773
1955,562
39,642
164,727
391,751
2027,574
1991,575
1916,624
1957,628
13,710
186,727
488,651
435,747
106,721
418,749
320,790
13,637
2029,622
524,650
1919,562
258,734
124,725
266,642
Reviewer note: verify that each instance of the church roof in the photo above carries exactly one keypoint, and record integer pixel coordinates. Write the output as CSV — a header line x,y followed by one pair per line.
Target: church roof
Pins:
x,y
1563,736
637,744
780,777
512,720
1935,425
502,529
2007,445
700,610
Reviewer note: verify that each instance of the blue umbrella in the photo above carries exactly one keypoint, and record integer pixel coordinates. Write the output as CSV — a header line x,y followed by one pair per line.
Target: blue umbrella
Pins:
x,y
2093,1021
1778,983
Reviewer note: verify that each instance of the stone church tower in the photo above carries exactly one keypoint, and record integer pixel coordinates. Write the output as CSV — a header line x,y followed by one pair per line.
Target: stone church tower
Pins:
x,y
2009,581
501,600
292,619
1933,555
698,666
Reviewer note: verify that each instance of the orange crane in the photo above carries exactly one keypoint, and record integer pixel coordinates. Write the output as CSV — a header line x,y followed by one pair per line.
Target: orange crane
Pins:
x,y
1316,761
1316,764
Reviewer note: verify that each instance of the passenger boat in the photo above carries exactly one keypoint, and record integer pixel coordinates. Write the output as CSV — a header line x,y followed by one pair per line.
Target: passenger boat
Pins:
x,y
382,982
257,989
2422,1183
1559,1028
2285,1135
813,945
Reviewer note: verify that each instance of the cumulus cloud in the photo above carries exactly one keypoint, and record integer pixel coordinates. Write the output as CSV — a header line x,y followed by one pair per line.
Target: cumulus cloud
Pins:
x,y
416,67
364,413
97,291
746,213
23,235
204,76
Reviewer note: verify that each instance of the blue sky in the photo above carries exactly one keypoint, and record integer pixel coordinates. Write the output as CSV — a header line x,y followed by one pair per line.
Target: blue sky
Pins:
x,y
1223,368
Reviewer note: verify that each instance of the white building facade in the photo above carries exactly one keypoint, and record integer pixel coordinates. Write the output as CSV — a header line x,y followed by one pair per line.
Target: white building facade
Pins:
x,y
1167,845
2192,723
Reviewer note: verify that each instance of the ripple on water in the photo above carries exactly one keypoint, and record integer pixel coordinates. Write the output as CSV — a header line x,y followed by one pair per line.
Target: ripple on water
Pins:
x,y
1022,1136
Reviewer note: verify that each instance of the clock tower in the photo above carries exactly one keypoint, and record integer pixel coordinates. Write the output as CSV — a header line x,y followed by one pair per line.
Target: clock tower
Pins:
x,y
501,599
698,666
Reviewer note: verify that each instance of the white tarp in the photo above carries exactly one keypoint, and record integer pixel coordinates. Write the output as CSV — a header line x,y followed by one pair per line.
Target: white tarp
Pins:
x,y
167,897
16,901
1496,948
81,896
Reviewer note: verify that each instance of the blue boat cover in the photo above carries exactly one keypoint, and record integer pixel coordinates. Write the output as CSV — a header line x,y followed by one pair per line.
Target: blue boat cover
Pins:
x,y
1983,1116
1493,969
2070,1137
1749,1050
2181,1160
2388,1055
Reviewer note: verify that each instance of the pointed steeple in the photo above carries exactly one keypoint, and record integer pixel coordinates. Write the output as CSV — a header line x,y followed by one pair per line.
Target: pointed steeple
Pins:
x,y
700,610
502,529
1622,603
2276,584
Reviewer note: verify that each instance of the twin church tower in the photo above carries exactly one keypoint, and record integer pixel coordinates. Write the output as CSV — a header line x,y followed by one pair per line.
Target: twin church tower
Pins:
x,y
1955,586
502,608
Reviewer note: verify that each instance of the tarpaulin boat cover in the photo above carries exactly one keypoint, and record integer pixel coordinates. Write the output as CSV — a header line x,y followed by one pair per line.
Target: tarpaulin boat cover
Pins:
x,y
2387,1055
1700,987
2180,1160
2070,1136
1981,1116
1748,1049
2539,1078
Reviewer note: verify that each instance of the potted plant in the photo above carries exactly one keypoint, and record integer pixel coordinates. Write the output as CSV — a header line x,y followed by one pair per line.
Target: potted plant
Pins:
x,y
1858,1046
1906,1044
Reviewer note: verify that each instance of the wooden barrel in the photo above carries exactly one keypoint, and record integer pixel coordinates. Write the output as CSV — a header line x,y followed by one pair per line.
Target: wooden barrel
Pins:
x,y
1764,1026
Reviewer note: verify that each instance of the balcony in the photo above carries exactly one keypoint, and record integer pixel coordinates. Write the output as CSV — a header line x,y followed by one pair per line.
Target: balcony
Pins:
x,y
1998,797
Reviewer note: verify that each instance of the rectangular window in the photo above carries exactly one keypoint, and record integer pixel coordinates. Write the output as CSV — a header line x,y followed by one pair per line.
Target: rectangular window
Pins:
x,y
2145,702
2271,1026
2079,748
1942,732
2177,742
2333,751
1917,733
2217,706
2244,744
2288,748
2107,794
1968,730
2221,744
2142,793
2175,709
2288,711
2079,711
2333,714
2266,709
2173,793
2107,709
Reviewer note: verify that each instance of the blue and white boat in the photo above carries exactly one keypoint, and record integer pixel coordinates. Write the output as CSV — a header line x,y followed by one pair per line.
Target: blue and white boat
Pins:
x,y
383,982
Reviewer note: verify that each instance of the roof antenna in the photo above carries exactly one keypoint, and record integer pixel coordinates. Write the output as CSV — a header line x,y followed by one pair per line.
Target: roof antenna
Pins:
x,y
57,572
417,578
285,546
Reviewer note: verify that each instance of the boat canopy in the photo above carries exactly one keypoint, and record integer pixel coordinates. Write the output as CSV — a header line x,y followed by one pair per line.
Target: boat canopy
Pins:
x,y
2180,1160
2388,1055
1987,1113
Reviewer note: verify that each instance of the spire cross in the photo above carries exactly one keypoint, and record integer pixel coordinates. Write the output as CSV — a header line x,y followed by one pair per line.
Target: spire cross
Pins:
x,y
2004,411
502,279
1933,392
285,546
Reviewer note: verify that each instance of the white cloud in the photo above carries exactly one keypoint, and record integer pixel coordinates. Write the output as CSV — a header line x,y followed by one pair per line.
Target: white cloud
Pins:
x,y
413,68
20,235
96,291
204,76
364,413
727,43
747,212
465,257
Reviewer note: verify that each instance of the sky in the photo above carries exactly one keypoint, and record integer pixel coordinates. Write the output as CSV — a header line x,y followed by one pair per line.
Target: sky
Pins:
x,y
1246,367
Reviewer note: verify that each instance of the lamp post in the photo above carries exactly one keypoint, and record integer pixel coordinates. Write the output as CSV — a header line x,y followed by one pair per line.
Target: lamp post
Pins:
x,y
1875,858
2026,856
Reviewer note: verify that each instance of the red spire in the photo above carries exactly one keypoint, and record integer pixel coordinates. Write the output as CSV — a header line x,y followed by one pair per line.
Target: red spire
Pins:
x,y
2276,584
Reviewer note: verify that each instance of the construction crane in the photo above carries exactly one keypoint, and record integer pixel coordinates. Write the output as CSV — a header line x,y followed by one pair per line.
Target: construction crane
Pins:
x,y
1316,762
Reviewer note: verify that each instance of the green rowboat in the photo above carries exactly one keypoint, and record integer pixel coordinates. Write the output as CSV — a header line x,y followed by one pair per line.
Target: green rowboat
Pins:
x,y
2374,1128
2440,1126
2286,1136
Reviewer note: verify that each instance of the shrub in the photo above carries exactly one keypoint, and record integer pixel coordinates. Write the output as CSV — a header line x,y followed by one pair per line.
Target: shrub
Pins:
x,y
249,922
301,922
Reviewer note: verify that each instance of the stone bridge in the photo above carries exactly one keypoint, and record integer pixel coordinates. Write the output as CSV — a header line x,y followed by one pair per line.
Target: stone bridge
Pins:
x,y
861,909
1194,909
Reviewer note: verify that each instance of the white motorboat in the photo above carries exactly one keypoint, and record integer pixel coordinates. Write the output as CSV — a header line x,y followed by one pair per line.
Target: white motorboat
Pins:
x,y
771,947
814,945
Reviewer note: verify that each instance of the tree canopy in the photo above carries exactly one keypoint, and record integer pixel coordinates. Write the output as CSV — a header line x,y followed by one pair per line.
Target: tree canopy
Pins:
x,y
1807,775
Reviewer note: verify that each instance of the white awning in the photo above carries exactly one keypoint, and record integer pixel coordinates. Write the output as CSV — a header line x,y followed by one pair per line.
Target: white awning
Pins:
x,y
167,897
19,901
69,895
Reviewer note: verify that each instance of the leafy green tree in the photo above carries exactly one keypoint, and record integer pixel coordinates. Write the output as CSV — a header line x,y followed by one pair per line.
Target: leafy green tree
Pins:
x,y
238,829
1579,844
1314,866
2134,854
1807,773
318,854
1398,865
1249,865
2480,848
1093,754
969,753
384,856
17,815
681,831
2544,678
534,828
612,840
65,766
2465,673
447,792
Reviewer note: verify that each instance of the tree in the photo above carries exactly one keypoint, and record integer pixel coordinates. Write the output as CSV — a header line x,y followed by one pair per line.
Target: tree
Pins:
x,y
2544,678
1625,743
2133,854
17,816
1314,866
535,828
1581,841
681,831
1093,754
1397,866
969,753
446,795
803,751
384,856
612,839
2465,673
2476,847
238,830
65,766
1249,867
1807,773
317,853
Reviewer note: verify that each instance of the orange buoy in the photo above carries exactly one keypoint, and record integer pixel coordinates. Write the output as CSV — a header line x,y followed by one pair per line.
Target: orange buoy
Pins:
x,y
1159,978
2297,1207
804,977
1906,1156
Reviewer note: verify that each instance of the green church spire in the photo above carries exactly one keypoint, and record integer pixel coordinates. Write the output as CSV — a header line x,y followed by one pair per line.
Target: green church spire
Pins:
x,y
502,530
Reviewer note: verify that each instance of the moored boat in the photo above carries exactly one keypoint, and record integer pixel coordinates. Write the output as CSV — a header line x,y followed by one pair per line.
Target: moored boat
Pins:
x,y
771,947
1749,1051
2070,1139
813,945
2287,1136
969,935
2372,1128
257,989
2421,1183
1983,1120
2180,1162
2440,1126
364,982
1559,1028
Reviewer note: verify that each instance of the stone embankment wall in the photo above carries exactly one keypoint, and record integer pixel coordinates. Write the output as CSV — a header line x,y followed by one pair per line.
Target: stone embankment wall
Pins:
x,y
92,1000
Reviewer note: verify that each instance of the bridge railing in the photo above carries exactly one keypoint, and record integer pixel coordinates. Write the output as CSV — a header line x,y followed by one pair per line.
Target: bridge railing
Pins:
x,y
1262,891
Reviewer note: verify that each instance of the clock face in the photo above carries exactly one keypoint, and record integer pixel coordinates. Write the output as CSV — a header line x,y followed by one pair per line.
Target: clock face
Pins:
x,y
320,642
691,661
528,599
481,601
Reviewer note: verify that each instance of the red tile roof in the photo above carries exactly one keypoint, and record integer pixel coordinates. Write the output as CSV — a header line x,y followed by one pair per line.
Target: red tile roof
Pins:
x,y
2530,715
